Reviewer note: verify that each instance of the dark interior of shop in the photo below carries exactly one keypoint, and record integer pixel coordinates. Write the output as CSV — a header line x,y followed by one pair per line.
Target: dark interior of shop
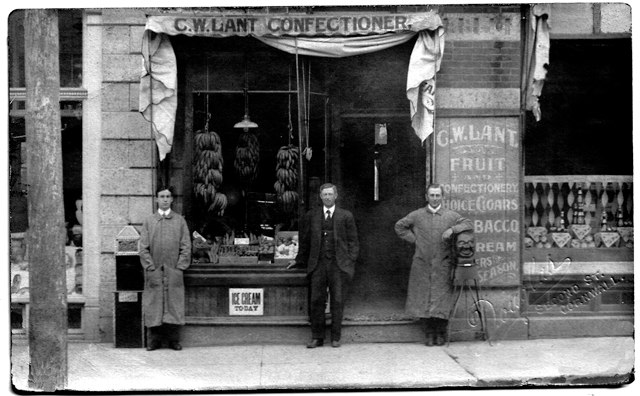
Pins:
x,y
71,128
586,102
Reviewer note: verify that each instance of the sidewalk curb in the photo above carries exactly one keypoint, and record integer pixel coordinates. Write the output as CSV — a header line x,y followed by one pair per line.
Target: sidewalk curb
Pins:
x,y
583,362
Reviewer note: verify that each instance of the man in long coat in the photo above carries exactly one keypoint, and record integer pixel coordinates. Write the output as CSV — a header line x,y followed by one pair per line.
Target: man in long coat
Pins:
x,y
165,251
430,292
329,247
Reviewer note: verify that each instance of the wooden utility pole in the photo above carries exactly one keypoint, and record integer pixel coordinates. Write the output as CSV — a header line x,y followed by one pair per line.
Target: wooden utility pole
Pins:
x,y
46,235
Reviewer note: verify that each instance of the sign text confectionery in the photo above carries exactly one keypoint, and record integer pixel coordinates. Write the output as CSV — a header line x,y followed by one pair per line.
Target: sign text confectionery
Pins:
x,y
478,165
291,24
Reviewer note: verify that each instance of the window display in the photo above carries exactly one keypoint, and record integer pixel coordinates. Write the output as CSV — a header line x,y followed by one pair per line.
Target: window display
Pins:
x,y
590,212
20,267
248,180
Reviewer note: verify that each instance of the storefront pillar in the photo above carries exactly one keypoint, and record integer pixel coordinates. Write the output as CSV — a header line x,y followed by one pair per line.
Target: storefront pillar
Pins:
x,y
92,137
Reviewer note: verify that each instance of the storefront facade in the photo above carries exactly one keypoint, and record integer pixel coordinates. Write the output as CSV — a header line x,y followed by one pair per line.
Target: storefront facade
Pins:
x,y
352,111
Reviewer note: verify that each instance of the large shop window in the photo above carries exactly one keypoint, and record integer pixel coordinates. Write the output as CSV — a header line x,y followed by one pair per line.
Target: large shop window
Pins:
x,y
578,186
71,123
70,32
255,170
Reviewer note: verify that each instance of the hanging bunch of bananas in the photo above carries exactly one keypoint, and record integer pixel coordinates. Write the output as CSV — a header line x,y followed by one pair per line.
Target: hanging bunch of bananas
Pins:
x,y
247,157
286,184
207,171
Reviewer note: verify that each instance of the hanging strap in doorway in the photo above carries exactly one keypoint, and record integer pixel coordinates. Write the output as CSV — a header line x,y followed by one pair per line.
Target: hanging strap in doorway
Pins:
x,y
303,111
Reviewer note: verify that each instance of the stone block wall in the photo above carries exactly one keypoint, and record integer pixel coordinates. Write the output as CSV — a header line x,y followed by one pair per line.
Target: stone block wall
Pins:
x,y
127,152
589,19
615,18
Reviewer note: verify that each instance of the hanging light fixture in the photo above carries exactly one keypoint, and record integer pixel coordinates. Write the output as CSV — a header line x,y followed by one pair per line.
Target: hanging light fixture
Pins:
x,y
246,122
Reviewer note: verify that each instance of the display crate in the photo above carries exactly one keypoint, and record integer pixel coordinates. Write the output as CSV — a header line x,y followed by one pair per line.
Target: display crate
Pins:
x,y
238,255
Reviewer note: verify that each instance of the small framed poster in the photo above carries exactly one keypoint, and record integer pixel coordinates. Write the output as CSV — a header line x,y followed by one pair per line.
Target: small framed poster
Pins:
x,y
286,245
246,302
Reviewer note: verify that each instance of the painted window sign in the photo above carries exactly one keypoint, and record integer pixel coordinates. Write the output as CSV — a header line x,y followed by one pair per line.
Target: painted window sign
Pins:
x,y
478,165
246,302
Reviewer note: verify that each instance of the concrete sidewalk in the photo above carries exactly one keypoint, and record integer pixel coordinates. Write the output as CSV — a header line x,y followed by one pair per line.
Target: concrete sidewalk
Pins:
x,y
593,362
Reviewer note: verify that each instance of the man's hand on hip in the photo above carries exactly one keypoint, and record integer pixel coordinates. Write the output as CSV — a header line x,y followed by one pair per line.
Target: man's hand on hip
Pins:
x,y
447,234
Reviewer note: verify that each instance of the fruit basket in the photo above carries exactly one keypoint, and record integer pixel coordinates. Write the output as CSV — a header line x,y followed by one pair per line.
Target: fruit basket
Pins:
x,y
266,250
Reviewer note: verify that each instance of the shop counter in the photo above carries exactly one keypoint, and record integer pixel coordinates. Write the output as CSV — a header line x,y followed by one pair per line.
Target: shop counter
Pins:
x,y
217,293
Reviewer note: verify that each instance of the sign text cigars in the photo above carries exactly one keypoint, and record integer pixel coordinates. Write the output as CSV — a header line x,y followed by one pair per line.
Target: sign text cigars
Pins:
x,y
478,164
291,24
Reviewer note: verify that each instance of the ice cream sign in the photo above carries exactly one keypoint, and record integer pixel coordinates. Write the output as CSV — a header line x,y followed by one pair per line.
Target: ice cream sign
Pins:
x,y
246,302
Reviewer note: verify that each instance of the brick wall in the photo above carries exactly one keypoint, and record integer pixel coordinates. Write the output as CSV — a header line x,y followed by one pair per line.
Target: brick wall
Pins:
x,y
480,64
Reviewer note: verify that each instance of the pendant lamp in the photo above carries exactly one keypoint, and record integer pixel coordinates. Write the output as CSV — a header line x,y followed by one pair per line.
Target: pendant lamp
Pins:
x,y
246,122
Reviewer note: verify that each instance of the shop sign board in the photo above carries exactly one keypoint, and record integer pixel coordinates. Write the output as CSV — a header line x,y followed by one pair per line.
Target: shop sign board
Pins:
x,y
478,164
246,301
326,24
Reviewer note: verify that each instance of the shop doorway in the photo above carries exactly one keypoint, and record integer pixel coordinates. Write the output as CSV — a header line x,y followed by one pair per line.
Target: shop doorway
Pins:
x,y
369,90
379,286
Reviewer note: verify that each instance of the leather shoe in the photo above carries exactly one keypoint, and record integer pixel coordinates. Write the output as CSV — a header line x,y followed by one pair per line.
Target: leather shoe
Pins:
x,y
335,343
316,342
152,346
175,346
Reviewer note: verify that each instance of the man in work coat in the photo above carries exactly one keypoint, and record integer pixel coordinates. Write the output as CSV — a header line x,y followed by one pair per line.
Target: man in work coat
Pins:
x,y
165,251
329,246
430,292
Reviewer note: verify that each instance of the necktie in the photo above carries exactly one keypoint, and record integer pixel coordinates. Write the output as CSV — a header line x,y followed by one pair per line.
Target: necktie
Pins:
x,y
328,215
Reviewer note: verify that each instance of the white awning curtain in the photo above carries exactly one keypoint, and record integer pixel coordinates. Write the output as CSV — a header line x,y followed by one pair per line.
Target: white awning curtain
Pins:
x,y
326,36
158,89
421,80
538,43
336,46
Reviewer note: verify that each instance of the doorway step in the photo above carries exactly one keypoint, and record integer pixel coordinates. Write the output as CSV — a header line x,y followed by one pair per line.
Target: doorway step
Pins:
x,y
293,330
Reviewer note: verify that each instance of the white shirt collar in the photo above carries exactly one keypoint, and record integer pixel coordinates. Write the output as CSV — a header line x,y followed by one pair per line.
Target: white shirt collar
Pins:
x,y
331,209
164,213
433,210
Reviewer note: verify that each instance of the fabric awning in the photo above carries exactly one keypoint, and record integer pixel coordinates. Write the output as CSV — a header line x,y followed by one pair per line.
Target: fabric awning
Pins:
x,y
537,56
325,35
337,46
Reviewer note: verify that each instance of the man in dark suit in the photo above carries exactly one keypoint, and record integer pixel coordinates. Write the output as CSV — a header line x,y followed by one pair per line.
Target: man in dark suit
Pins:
x,y
329,247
